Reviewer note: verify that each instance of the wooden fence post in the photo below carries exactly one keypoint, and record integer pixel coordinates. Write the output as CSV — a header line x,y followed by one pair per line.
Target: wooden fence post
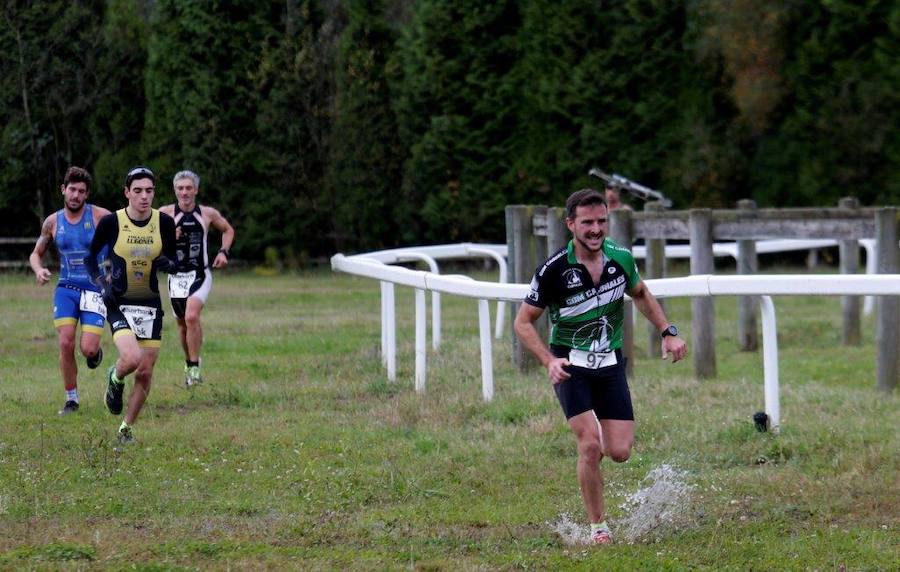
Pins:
x,y
539,254
522,259
654,267
887,325
518,232
704,316
849,260
557,231
539,230
748,306
620,231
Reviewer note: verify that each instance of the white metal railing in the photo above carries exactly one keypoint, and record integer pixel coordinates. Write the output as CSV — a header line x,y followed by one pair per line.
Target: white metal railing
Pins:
x,y
691,286
498,252
730,249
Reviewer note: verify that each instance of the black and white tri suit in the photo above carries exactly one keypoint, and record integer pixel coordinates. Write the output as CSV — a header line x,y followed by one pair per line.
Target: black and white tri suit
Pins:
x,y
193,277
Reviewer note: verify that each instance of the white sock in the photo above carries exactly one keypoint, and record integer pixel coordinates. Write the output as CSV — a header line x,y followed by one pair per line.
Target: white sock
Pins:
x,y
72,395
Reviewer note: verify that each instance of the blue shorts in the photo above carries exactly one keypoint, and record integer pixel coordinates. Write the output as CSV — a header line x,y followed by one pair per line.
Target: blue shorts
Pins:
x,y
67,310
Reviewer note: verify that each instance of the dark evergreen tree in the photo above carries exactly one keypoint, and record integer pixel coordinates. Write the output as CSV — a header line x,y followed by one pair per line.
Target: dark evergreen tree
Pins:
x,y
48,91
295,79
117,120
365,164
202,100
838,124
456,108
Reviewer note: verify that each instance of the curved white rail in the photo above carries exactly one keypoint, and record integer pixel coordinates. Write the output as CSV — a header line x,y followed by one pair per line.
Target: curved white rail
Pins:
x,y
376,266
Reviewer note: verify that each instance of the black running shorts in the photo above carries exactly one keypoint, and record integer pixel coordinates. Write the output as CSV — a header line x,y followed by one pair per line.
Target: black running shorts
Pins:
x,y
604,390
143,318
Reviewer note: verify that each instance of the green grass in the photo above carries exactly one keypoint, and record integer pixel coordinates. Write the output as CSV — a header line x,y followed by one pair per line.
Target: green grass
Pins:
x,y
298,453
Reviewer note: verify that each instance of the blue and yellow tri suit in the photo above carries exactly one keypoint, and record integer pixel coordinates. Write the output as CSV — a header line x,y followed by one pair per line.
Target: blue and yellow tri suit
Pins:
x,y
76,298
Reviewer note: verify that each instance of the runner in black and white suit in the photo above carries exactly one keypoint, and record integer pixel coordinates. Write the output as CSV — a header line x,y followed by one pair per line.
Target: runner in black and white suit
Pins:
x,y
189,288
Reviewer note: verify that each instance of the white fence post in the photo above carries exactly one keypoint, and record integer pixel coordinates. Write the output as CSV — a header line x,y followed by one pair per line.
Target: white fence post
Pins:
x,y
487,356
421,348
501,264
391,331
770,362
384,313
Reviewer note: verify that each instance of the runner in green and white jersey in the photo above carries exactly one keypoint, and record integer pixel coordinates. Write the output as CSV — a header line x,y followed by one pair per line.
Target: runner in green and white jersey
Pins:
x,y
584,287
585,315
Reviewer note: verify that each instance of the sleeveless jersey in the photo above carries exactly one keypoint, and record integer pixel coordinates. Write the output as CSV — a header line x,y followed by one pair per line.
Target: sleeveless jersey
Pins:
x,y
73,242
132,256
584,315
191,247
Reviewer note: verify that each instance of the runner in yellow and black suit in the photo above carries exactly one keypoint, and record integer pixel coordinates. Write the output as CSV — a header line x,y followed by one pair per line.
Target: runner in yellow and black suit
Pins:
x,y
136,252
141,241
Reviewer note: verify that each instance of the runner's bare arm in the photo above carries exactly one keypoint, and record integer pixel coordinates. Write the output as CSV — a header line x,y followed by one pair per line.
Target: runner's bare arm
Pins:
x,y
36,259
649,306
220,223
99,212
528,335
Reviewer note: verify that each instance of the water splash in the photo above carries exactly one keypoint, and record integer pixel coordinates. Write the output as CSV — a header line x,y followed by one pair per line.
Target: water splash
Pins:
x,y
569,531
662,505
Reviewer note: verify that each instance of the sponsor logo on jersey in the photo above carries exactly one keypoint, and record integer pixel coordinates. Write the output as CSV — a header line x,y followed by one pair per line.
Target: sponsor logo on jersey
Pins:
x,y
612,270
555,257
573,278
533,295
614,283
140,240
577,299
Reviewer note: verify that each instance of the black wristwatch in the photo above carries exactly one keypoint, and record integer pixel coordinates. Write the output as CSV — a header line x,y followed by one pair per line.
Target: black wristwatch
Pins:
x,y
225,252
670,331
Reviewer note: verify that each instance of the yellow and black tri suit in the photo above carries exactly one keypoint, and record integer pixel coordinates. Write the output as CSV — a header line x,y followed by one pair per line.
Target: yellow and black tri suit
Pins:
x,y
137,250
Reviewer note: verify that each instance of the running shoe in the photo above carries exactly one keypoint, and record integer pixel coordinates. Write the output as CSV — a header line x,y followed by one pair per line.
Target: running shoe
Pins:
x,y
69,407
114,390
192,376
601,536
126,434
93,362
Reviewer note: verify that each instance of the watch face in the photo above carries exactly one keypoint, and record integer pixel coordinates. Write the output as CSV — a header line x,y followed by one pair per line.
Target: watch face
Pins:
x,y
670,331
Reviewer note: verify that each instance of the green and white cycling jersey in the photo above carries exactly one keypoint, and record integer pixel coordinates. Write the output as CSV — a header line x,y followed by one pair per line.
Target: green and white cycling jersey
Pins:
x,y
585,316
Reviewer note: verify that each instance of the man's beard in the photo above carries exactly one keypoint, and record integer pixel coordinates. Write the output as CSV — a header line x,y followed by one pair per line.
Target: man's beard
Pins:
x,y
75,210
588,248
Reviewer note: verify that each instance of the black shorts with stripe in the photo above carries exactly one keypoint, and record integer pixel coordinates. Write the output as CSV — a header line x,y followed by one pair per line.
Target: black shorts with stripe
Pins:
x,y
604,390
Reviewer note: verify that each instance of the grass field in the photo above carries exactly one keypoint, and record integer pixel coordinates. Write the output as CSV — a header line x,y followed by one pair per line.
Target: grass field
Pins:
x,y
298,454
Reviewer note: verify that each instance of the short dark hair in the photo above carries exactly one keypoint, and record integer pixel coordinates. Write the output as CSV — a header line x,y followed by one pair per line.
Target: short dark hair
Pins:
x,y
583,198
139,173
77,175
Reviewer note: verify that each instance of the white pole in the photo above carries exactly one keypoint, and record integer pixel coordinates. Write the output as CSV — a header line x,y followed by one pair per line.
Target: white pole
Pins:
x,y
435,296
502,279
435,320
384,343
420,340
391,337
770,362
487,358
871,268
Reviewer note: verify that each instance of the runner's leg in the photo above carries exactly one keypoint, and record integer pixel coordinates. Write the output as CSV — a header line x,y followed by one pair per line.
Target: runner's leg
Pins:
x,y
142,378
590,452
